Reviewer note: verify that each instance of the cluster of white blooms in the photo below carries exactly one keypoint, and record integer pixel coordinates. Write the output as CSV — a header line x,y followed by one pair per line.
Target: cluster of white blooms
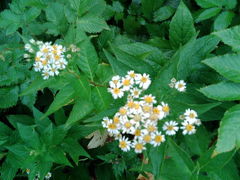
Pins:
x,y
49,59
47,176
136,123
179,85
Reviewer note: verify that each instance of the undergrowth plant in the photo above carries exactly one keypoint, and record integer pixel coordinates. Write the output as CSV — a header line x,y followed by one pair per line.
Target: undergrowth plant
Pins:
x,y
119,89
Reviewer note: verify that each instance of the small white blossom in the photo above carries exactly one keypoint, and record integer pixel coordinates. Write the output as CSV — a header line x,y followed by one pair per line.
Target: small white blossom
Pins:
x,y
170,127
191,115
124,144
188,128
180,86
157,139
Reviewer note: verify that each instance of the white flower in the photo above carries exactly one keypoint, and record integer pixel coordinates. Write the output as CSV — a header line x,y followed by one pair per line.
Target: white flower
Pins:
x,y
105,122
146,136
159,112
45,74
150,126
127,83
198,122
37,66
157,139
128,126
124,144
27,47
188,128
180,86
143,81
138,146
116,91
149,99
191,115
48,175
112,128
132,75
115,81
165,108
170,127
135,92
32,41
26,55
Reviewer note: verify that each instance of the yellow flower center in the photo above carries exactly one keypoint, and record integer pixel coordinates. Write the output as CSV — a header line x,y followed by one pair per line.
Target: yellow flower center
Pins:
x,y
158,138
166,109
123,111
115,81
131,104
170,127
147,108
45,50
139,146
151,128
132,75
180,85
116,120
148,99
44,62
192,115
128,125
137,106
112,126
126,82
144,79
122,144
147,138
153,117
156,110
136,93
37,58
116,90
137,118
189,127
137,132
57,57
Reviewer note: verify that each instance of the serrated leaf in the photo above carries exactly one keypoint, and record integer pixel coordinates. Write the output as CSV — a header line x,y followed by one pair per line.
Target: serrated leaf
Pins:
x,y
230,37
208,13
181,27
228,132
8,96
88,59
224,91
92,24
227,65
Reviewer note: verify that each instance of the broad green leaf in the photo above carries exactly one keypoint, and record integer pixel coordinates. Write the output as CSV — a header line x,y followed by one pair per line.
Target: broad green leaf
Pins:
x,y
208,13
181,27
63,98
228,132
80,109
8,170
163,13
118,67
88,59
58,156
227,65
224,91
148,7
230,37
23,119
209,3
230,4
8,96
92,24
223,20
29,135
104,73
101,98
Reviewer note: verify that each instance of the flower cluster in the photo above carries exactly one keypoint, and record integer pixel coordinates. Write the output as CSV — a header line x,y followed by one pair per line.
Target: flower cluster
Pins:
x,y
179,85
49,59
136,123
47,176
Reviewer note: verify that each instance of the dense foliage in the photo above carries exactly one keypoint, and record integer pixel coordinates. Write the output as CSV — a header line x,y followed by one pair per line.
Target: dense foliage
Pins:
x,y
51,120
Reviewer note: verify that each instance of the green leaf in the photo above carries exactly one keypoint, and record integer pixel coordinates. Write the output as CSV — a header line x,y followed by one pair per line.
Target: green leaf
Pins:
x,y
8,96
230,37
181,27
88,59
227,65
209,3
228,133
23,119
101,98
92,24
80,109
224,91
148,7
208,13
63,97
163,13
223,20
29,135
58,156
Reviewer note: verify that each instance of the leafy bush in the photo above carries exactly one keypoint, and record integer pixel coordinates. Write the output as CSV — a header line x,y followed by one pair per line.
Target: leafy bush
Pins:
x,y
62,71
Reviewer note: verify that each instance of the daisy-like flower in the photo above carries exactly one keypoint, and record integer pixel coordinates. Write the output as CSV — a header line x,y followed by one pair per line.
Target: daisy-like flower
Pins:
x,y
138,146
157,139
116,91
135,92
132,75
27,47
165,108
127,84
115,81
191,115
170,127
188,128
149,99
180,86
143,81
146,136
124,144
48,175
45,74
128,126
105,122
112,127
159,112
150,127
